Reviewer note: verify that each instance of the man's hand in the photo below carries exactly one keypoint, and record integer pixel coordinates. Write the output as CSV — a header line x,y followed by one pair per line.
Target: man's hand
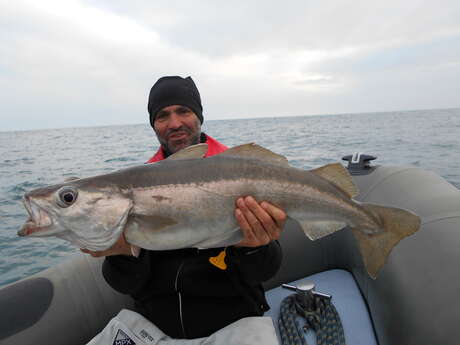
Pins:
x,y
121,247
260,223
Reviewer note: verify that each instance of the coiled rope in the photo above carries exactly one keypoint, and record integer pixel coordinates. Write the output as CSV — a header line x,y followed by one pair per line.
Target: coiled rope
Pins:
x,y
319,314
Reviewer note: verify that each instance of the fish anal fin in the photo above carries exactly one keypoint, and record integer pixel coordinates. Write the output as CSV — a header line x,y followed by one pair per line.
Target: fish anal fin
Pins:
x,y
320,228
254,151
396,224
190,152
338,175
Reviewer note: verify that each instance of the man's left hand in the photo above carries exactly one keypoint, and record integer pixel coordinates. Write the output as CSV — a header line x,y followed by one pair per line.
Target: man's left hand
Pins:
x,y
261,223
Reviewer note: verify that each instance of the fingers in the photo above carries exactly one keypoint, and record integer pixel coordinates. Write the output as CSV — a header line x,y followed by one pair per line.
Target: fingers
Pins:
x,y
260,223
253,233
277,214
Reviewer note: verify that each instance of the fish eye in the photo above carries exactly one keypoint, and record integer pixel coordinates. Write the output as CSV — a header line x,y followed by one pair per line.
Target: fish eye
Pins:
x,y
67,196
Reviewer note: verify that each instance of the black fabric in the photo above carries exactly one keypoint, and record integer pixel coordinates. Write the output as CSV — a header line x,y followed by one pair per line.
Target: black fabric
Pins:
x,y
171,91
211,298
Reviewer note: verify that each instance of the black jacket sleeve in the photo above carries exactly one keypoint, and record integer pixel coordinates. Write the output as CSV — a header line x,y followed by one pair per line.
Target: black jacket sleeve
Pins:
x,y
258,264
127,274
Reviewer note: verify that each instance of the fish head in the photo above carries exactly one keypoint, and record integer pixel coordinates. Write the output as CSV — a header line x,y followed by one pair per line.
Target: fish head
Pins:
x,y
87,216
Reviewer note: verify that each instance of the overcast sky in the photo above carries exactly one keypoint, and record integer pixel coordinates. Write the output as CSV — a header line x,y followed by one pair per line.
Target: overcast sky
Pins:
x,y
67,63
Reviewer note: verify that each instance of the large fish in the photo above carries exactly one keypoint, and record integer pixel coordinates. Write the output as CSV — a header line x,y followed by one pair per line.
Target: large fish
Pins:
x,y
188,201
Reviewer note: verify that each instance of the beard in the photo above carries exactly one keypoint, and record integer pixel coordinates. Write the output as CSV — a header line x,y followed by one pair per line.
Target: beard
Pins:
x,y
171,146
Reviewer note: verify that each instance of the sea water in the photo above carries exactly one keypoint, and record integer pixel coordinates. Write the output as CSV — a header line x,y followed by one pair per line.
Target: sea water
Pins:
x,y
429,139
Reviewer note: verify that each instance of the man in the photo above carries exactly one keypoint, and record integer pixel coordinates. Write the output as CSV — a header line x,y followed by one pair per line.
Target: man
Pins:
x,y
191,293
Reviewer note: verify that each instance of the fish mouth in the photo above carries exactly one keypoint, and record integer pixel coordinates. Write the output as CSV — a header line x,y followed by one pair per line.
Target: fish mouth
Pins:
x,y
39,220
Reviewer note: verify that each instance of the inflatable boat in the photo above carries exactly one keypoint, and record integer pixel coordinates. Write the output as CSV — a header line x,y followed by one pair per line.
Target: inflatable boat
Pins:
x,y
414,300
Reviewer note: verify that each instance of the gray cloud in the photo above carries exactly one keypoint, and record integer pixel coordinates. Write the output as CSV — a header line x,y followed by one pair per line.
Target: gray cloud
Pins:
x,y
69,63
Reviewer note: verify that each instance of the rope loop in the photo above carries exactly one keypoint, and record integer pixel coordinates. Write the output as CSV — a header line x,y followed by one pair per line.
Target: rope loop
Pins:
x,y
318,314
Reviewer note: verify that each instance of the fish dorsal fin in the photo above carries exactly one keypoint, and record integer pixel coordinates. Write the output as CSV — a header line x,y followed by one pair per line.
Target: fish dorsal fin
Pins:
x,y
338,175
190,152
255,151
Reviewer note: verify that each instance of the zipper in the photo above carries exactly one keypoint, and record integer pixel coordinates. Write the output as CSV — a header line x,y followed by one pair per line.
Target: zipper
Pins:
x,y
180,299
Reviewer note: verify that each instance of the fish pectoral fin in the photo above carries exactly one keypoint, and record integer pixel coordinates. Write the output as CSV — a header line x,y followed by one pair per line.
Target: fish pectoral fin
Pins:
x,y
338,175
190,152
227,239
149,223
255,151
396,224
320,228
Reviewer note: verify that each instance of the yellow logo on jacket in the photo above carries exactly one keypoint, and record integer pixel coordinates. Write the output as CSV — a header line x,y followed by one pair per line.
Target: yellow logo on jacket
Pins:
x,y
219,260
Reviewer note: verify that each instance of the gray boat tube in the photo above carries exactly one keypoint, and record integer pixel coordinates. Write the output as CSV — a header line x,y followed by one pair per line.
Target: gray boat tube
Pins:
x,y
414,300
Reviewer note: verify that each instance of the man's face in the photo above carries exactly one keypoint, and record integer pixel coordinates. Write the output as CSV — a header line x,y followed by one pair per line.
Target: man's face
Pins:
x,y
177,127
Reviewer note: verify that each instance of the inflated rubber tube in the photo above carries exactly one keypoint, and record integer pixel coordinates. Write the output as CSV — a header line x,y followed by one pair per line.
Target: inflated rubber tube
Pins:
x,y
414,300
71,303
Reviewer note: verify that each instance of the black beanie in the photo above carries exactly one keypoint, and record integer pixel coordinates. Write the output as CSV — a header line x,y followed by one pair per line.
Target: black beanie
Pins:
x,y
174,90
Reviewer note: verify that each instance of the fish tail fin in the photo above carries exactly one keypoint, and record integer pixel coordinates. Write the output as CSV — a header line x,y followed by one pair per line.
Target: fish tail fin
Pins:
x,y
396,224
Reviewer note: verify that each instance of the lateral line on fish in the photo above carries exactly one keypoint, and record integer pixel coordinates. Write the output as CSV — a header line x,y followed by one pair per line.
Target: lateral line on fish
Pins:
x,y
294,187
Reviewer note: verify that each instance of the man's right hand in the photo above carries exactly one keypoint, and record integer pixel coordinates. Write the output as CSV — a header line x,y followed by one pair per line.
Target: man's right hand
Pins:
x,y
121,247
